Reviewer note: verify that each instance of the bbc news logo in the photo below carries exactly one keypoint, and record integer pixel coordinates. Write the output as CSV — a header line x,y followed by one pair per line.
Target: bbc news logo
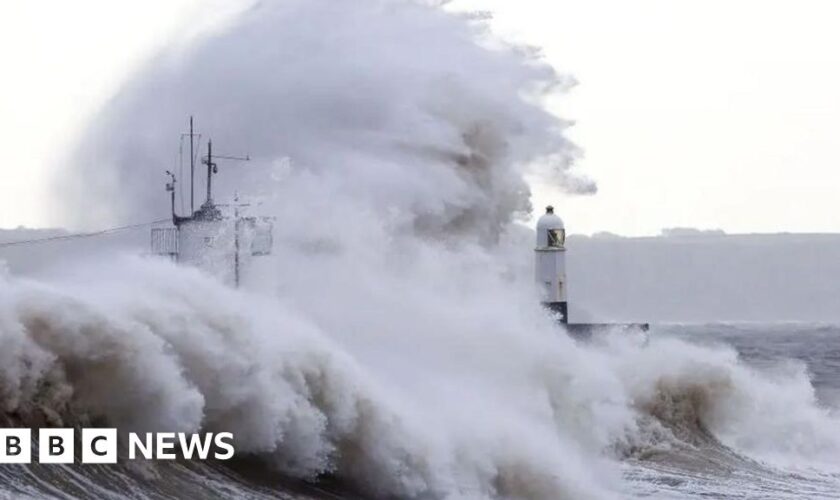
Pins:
x,y
99,446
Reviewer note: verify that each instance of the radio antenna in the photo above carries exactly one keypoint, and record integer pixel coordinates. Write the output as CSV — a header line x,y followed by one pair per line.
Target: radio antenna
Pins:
x,y
170,188
213,168
192,168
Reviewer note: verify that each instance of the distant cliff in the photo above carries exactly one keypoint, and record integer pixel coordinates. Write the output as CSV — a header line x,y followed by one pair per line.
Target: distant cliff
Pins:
x,y
688,275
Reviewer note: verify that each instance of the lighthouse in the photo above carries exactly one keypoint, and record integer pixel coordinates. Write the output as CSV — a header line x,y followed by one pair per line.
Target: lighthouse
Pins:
x,y
550,263
550,275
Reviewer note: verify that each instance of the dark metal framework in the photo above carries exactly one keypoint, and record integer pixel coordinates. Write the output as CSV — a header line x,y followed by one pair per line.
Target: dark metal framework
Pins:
x,y
165,240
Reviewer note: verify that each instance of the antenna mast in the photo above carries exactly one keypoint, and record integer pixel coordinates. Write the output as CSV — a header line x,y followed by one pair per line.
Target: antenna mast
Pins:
x,y
170,187
211,169
192,169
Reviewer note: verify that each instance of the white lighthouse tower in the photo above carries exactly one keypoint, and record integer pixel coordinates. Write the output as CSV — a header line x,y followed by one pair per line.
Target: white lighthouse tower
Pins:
x,y
550,262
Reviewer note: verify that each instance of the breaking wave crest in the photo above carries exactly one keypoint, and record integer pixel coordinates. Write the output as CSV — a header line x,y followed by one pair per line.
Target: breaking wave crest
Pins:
x,y
705,395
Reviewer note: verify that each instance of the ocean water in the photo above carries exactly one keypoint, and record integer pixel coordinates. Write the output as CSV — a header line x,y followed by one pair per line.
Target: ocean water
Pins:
x,y
706,465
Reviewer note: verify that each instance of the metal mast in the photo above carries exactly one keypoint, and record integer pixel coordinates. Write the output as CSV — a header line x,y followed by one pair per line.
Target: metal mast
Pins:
x,y
192,169
170,187
211,169
236,226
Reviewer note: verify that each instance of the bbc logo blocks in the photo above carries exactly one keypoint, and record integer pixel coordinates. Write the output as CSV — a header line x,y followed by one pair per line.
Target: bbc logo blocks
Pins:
x,y
57,446
99,446
15,446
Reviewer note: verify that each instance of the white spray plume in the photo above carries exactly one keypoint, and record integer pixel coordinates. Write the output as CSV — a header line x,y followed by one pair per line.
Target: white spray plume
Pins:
x,y
405,105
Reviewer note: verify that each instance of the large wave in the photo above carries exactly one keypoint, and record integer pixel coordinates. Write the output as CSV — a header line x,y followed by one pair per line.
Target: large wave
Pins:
x,y
393,338
460,393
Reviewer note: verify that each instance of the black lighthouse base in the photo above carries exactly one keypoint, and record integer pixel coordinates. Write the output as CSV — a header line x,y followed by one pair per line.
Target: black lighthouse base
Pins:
x,y
559,308
585,330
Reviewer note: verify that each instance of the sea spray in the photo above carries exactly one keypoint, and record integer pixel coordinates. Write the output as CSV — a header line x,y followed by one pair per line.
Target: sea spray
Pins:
x,y
390,98
457,401
189,353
